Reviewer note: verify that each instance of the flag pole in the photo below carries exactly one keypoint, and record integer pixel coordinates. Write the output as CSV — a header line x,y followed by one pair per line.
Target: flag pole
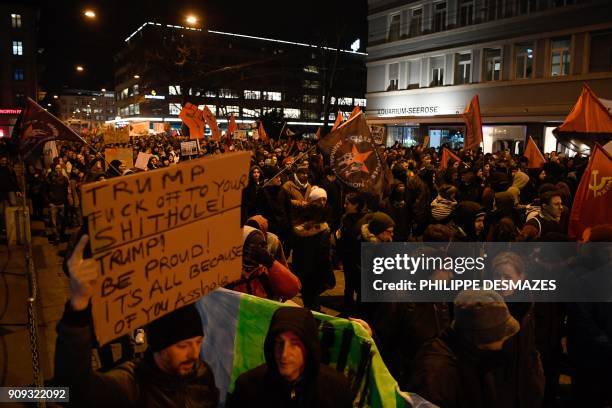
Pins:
x,y
298,159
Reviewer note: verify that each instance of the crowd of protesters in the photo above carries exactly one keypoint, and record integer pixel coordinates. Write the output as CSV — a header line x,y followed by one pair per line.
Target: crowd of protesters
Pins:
x,y
300,224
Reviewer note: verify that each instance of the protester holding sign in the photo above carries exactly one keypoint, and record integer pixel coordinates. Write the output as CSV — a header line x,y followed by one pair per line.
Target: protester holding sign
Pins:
x,y
170,374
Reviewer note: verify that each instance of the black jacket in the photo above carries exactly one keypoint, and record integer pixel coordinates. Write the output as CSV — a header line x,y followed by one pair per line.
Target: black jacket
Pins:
x,y
137,383
320,385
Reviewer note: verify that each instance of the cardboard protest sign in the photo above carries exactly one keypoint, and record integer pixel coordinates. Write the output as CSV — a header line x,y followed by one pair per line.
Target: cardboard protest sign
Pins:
x,y
139,128
125,155
189,148
163,239
240,134
159,127
114,136
142,160
50,152
378,133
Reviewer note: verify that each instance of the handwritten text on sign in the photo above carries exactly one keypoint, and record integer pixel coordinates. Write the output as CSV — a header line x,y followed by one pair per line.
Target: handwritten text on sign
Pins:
x,y
163,239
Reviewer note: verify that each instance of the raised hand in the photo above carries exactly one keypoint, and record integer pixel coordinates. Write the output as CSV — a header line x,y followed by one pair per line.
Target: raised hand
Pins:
x,y
83,274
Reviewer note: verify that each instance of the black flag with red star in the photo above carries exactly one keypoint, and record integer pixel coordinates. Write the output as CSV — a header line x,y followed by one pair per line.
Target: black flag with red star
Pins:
x,y
351,153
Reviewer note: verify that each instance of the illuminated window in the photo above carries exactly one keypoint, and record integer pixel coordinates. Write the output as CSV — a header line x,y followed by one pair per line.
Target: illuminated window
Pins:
x,y
292,113
311,99
393,82
251,113
345,101
252,94
463,68
492,64
124,93
19,74
17,48
523,61
16,20
309,114
227,93
272,96
311,84
228,110
313,69
135,88
174,108
560,57
210,94
360,101
174,90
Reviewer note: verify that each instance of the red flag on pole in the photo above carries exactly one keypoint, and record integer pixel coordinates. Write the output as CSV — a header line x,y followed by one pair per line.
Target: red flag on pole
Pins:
x,y
355,111
38,126
231,128
339,120
594,195
446,156
534,155
318,135
473,122
211,121
262,133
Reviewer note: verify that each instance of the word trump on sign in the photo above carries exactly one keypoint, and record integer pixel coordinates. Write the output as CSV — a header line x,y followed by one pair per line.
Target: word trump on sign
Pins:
x,y
163,239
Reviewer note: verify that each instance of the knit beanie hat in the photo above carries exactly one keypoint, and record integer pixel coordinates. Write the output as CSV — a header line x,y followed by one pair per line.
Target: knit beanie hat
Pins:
x,y
482,317
181,324
380,222
316,193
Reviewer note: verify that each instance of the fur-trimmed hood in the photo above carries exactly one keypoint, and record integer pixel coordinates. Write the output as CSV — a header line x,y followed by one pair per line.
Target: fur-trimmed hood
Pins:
x,y
367,235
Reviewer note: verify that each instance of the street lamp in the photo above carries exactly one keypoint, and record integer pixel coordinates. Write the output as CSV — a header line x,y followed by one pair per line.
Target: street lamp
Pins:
x,y
136,76
191,20
90,13
80,68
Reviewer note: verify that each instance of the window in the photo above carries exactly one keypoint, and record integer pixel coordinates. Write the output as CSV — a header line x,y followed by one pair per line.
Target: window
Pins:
x,y
228,110
251,113
252,94
174,108
414,74
393,82
135,87
174,90
17,48
360,102
523,61
210,94
313,69
277,96
416,22
134,109
492,64
292,113
439,22
463,68
19,74
267,109
311,84
309,114
345,101
493,9
16,20
466,13
124,93
311,99
527,6
227,93
394,27
560,57
601,60
437,71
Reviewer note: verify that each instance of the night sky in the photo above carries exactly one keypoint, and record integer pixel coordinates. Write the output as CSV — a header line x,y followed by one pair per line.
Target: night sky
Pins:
x,y
67,38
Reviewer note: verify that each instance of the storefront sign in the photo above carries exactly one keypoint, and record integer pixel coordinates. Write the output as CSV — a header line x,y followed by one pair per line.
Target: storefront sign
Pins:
x,y
10,111
412,110
155,97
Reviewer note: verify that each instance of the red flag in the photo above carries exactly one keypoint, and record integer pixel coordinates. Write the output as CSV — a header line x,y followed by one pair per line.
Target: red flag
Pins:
x,y
262,133
339,120
355,111
592,201
211,121
446,156
231,128
192,117
351,153
38,126
473,122
318,135
533,153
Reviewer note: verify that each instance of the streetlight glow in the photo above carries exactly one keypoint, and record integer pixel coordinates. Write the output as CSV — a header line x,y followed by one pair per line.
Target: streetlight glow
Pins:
x,y
103,89
136,76
80,68
90,14
191,19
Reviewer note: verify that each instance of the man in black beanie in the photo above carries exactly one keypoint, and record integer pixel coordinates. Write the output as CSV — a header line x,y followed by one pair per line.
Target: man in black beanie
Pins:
x,y
292,375
170,374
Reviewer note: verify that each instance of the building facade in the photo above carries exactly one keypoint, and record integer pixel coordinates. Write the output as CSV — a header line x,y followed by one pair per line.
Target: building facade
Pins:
x,y
525,59
18,50
84,108
163,66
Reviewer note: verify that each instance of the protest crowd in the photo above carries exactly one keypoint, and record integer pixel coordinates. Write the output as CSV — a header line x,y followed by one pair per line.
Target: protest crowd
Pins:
x,y
300,225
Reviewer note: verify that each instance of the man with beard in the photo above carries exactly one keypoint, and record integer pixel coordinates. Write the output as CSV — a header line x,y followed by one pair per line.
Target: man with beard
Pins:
x,y
170,374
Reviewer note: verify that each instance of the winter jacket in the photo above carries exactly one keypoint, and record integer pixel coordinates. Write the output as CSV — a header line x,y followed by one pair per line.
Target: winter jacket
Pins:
x,y
8,182
296,194
418,198
320,385
137,383
57,189
452,373
465,216
348,245
251,195
275,207
397,208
